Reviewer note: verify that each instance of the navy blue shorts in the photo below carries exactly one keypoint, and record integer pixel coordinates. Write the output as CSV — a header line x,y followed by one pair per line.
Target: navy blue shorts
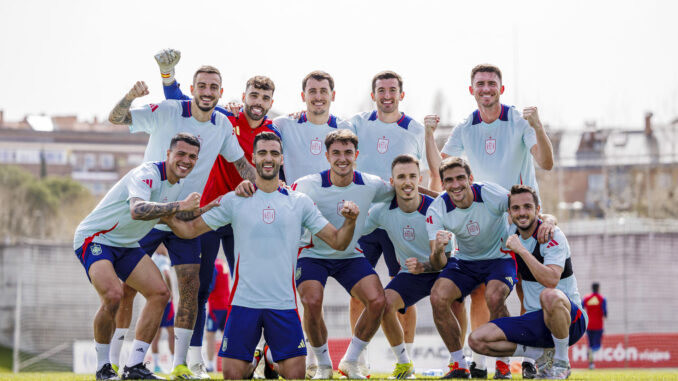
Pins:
x,y
530,329
282,332
347,272
168,315
467,275
209,244
374,244
595,337
124,259
216,320
412,288
181,251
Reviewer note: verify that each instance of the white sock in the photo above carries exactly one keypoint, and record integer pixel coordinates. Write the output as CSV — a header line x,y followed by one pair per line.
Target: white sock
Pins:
x,y
195,355
138,352
528,352
310,357
529,360
400,353
354,348
156,358
458,357
116,344
479,360
363,358
409,347
103,352
561,348
182,338
322,354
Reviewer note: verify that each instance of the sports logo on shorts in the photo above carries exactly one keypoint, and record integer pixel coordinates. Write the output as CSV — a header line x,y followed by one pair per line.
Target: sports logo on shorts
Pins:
x,y
340,206
269,215
473,228
316,146
224,344
408,233
490,145
382,145
95,249
297,273
510,280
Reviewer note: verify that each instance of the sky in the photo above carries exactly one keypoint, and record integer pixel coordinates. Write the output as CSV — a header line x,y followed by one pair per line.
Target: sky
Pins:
x,y
607,62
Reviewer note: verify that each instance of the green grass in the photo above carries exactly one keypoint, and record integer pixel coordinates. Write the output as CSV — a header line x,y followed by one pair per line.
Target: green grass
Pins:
x,y
605,375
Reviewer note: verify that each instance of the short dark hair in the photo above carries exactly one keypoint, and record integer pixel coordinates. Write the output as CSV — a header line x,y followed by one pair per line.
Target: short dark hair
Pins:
x,y
260,82
343,136
404,159
595,286
207,69
451,162
387,74
318,75
485,68
266,136
521,188
184,137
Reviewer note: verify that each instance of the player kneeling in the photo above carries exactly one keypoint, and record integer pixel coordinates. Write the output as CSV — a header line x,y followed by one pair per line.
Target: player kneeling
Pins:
x,y
554,319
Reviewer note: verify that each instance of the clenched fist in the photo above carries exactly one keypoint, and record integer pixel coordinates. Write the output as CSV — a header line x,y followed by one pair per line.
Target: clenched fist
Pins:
x,y
350,210
167,59
191,203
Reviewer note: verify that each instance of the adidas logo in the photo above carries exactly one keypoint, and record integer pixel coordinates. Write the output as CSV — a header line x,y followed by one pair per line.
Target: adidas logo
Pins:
x,y
552,243
429,220
148,182
139,349
121,337
302,344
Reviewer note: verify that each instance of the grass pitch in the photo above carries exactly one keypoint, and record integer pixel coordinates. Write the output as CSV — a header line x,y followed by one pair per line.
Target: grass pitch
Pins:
x,y
605,375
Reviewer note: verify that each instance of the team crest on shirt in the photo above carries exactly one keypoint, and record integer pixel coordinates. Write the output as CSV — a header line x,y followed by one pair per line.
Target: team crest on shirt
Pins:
x,y
473,228
269,215
95,249
340,206
408,233
490,145
382,145
316,146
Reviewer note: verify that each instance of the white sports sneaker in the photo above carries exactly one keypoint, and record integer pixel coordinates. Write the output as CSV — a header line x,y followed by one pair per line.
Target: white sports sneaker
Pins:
x,y
351,370
199,370
323,372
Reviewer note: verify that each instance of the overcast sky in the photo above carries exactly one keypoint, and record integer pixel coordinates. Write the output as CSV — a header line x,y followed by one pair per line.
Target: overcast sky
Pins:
x,y
603,61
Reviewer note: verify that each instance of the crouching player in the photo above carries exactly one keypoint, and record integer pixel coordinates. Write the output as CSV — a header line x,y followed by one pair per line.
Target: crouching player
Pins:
x,y
555,318
107,244
266,228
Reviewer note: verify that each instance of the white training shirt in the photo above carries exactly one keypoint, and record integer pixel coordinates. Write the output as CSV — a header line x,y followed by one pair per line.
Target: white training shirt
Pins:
x,y
481,229
266,228
111,223
379,143
497,152
164,120
329,198
304,144
555,252
407,231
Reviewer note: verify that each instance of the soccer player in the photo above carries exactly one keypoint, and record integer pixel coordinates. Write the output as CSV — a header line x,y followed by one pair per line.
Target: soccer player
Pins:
x,y
106,243
162,261
384,134
474,212
596,308
555,317
266,228
404,219
216,134
501,145
218,307
303,136
224,177
318,261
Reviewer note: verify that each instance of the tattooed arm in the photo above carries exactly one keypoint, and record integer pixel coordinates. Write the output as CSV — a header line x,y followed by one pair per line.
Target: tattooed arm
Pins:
x,y
245,169
193,214
120,113
149,210
416,267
